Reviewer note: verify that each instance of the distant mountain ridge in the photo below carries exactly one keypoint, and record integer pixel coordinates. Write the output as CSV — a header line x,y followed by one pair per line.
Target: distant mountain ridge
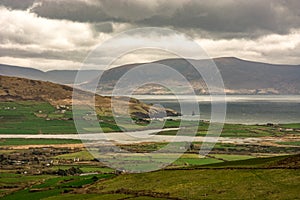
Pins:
x,y
239,76
250,77
56,76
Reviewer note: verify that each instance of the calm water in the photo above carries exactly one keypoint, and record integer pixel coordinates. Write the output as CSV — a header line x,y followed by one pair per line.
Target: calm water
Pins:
x,y
245,109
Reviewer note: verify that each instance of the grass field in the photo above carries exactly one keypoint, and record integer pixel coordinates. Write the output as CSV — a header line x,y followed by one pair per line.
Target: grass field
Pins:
x,y
17,141
209,178
56,186
228,157
184,160
220,153
252,183
32,117
293,143
10,181
236,130
261,162
82,155
85,168
231,171
22,118
195,161
212,184
94,197
294,125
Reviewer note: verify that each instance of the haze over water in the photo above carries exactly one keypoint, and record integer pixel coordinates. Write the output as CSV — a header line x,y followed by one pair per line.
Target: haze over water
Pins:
x,y
243,109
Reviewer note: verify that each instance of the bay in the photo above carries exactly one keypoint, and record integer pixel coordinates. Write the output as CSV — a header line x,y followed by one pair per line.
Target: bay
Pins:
x,y
241,109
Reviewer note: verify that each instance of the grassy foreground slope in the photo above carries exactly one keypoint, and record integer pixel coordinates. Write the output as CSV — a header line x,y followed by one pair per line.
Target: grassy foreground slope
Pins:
x,y
210,184
271,178
257,178
279,181
55,186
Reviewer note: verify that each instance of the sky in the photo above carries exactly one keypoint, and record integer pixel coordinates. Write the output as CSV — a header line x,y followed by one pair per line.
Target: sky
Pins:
x,y
60,34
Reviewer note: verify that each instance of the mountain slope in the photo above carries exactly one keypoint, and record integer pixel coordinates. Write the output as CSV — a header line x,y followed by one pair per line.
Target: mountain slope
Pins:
x,y
13,89
68,76
239,76
24,72
56,76
259,77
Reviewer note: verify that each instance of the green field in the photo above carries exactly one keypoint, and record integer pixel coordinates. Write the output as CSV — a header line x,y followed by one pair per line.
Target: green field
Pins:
x,y
293,143
253,178
85,168
22,118
243,131
94,197
195,161
210,184
11,181
228,157
263,162
17,141
32,117
187,159
294,125
251,183
56,186
230,171
82,155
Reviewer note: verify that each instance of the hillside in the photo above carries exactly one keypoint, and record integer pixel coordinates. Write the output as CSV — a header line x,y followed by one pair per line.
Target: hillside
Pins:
x,y
20,89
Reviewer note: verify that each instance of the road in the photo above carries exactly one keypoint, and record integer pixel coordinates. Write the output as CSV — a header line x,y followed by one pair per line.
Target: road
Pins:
x,y
143,136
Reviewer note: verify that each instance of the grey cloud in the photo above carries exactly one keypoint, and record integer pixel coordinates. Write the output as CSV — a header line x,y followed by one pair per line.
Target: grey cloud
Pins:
x,y
105,27
232,18
28,36
49,54
17,4
224,18
71,10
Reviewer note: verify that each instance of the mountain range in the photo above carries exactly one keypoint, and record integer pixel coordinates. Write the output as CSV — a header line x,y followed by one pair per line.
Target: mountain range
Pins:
x,y
66,77
239,76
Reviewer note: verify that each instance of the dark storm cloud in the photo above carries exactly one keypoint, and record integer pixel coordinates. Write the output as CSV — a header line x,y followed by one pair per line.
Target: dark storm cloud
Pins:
x,y
224,18
231,19
71,10
17,4
105,27
54,34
